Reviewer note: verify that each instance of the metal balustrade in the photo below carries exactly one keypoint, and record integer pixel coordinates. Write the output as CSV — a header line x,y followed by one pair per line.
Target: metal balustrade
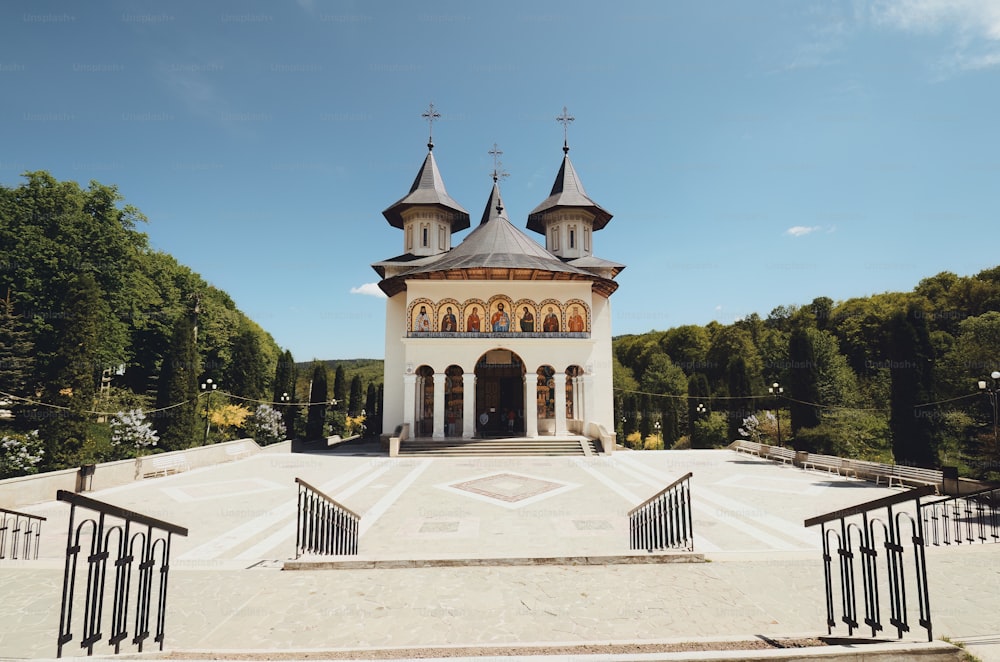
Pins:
x,y
664,520
133,547
973,518
324,526
877,535
23,530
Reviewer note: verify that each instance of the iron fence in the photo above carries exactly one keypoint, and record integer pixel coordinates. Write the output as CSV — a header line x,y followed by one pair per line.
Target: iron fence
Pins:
x,y
133,544
324,526
664,520
881,536
24,532
973,518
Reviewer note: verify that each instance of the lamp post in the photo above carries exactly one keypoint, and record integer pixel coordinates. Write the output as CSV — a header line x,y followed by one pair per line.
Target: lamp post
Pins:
x,y
776,390
208,386
991,389
659,432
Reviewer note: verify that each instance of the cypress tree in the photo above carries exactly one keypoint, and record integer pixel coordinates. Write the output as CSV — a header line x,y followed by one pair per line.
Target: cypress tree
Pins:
x,y
75,370
285,376
318,396
340,389
739,392
179,384
698,394
355,405
371,397
803,380
246,375
911,363
16,349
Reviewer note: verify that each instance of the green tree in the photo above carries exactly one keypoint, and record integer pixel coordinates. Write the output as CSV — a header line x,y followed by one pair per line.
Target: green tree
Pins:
x,y
699,406
285,377
911,421
340,390
179,388
355,404
802,378
16,349
318,398
247,375
371,410
740,404
74,372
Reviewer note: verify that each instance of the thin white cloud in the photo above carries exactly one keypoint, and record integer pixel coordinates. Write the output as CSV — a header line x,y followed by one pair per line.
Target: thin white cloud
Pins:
x,y
974,25
369,289
802,230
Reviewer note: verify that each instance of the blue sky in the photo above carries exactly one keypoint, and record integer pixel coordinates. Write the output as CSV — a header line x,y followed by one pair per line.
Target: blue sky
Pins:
x,y
754,154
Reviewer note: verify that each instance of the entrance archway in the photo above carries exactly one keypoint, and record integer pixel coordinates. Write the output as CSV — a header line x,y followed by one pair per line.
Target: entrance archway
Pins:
x,y
499,394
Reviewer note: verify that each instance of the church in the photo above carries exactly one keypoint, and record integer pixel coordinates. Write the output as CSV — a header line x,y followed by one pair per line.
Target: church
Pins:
x,y
497,335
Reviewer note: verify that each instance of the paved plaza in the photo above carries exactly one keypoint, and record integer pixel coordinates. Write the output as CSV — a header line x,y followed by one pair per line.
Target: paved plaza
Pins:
x,y
228,592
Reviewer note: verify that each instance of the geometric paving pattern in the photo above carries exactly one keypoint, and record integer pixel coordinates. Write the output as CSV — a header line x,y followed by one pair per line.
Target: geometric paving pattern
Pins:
x,y
508,489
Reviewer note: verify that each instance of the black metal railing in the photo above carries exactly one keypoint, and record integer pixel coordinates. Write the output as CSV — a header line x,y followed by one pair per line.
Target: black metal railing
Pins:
x,y
878,536
664,520
324,526
973,518
127,543
23,530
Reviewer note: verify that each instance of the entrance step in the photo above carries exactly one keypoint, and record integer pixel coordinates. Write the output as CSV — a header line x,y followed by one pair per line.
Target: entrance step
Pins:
x,y
512,446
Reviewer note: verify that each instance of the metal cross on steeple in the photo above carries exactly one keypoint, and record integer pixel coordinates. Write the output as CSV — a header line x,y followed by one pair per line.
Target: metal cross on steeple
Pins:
x,y
430,115
498,172
565,120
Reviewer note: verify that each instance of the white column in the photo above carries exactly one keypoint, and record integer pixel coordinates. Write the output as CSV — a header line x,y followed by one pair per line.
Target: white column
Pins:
x,y
577,393
586,404
468,405
439,378
410,402
560,380
531,405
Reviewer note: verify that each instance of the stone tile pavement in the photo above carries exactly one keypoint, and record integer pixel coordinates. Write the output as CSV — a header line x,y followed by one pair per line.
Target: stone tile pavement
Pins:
x,y
227,591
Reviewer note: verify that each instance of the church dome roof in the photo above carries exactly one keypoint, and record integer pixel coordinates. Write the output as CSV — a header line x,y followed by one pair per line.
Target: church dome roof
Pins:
x,y
428,190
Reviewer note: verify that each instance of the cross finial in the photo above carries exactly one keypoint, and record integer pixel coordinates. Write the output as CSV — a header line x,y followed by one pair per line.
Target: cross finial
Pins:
x,y
498,172
430,115
565,120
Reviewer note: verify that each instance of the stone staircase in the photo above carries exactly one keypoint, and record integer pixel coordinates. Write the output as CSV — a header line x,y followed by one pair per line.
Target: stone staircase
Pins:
x,y
541,446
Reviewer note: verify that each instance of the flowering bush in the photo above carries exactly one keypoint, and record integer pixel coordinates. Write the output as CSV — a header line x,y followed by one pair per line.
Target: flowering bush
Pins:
x,y
355,425
129,429
751,428
20,454
266,425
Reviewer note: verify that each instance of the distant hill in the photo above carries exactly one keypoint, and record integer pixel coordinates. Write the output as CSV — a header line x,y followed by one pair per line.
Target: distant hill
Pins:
x,y
370,371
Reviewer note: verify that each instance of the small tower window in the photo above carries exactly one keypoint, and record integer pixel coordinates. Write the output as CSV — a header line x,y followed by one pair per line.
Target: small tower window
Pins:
x,y
572,238
409,237
426,242
555,238
442,238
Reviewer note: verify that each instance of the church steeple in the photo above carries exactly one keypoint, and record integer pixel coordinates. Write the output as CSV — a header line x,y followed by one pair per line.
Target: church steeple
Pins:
x,y
568,216
427,215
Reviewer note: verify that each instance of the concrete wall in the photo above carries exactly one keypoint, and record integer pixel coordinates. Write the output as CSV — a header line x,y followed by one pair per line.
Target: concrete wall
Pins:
x,y
24,490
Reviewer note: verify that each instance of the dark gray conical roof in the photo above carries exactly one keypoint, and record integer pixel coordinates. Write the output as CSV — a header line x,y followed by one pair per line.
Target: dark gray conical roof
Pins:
x,y
428,189
497,243
567,191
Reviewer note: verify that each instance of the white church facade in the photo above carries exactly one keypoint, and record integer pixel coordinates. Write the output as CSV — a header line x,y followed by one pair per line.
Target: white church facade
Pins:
x,y
498,335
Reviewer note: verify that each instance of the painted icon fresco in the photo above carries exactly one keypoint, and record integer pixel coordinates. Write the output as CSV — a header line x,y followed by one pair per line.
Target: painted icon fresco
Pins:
x,y
449,322
473,319
500,317
421,318
550,323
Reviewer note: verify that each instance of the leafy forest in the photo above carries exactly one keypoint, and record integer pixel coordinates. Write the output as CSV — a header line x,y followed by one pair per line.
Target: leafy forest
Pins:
x,y
893,377
110,349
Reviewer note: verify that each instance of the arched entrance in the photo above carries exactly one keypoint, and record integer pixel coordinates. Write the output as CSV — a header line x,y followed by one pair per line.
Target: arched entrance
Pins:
x,y
499,394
